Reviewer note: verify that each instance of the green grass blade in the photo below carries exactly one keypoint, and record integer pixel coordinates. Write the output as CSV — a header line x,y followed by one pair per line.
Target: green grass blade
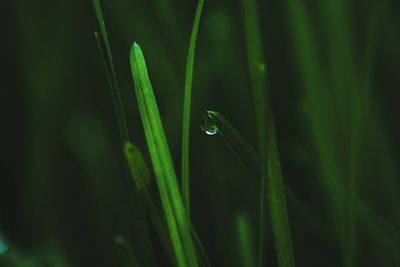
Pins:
x,y
213,123
138,167
186,108
349,109
104,46
243,229
177,220
141,176
270,164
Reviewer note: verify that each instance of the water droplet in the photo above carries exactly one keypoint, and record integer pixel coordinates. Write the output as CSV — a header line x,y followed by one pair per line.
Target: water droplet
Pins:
x,y
208,125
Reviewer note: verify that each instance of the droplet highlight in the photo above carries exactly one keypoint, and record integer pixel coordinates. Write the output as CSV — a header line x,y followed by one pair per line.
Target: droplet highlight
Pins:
x,y
208,125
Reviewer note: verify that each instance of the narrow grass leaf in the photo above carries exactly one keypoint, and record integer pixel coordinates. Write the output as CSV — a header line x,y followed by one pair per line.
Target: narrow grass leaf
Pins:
x,y
136,163
104,46
141,176
137,166
186,108
270,164
244,233
214,122
177,220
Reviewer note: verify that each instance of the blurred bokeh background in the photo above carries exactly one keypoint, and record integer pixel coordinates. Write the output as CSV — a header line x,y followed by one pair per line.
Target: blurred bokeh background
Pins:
x,y
333,67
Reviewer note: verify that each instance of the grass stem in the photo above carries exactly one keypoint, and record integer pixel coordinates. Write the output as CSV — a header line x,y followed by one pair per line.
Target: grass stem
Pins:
x,y
186,108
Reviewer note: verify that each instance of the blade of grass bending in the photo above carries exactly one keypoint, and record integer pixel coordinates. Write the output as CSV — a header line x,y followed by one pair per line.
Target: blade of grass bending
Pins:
x,y
383,231
186,108
177,220
270,164
213,122
104,46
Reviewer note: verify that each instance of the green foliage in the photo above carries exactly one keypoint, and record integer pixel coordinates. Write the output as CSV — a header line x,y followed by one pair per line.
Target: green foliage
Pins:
x,y
177,220
271,176
312,136
186,107
243,228
213,122
105,49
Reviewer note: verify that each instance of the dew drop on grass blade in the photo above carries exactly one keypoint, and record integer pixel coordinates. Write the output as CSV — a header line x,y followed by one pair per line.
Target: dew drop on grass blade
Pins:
x,y
213,122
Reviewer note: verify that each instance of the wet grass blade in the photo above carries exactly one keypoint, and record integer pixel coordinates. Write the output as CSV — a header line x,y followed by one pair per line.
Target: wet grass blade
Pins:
x,y
177,220
271,176
186,108
213,122
104,46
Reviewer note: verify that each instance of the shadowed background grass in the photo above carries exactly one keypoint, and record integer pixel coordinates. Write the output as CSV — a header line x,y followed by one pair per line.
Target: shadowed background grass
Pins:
x,y
332,68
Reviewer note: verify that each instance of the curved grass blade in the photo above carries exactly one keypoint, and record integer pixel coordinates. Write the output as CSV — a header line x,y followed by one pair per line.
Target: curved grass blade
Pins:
x,y
104,46
213,122
383,231
270,165
177,220
186,108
